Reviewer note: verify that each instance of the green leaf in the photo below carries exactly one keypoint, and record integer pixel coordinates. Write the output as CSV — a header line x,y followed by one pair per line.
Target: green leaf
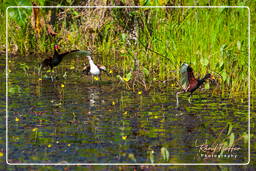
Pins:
x,y
119,77
123,36
238,45
207,86
222,49
128,76
231,139
246,137
19,15
230,127
204,61
146,71
14,89
224,75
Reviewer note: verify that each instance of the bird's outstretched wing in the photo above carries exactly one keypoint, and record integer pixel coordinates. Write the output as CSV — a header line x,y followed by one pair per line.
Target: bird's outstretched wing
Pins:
x,y
184,76
76,53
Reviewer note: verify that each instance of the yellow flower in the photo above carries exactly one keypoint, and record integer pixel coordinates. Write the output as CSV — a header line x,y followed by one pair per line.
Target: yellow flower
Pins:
x,y
96,78
126,79
69,145
110,71
139,92
17,119
62,85
113,103
72,67
69,37
125,113
49,146
10,70
34,129
40,79
1,154
124,137
156,117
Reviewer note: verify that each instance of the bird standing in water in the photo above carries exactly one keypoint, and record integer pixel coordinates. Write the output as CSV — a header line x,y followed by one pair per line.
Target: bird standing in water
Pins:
x,y
189,82
57,58
94,70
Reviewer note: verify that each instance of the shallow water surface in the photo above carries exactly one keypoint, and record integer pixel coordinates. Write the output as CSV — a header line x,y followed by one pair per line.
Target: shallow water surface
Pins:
x,y
75,120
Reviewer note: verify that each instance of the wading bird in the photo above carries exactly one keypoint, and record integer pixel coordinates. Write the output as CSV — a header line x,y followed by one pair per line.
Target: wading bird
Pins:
x,y
56,59
189,82
94,70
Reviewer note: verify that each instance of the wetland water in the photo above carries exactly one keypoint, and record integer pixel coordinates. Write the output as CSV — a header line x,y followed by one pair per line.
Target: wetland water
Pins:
x,y
76,121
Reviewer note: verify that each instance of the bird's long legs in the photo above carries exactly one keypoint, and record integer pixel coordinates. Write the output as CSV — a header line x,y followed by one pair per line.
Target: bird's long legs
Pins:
x,y
177,98
52,75
189,98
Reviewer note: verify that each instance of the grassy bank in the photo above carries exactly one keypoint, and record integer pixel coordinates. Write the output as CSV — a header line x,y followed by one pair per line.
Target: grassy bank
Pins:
x,y
210,40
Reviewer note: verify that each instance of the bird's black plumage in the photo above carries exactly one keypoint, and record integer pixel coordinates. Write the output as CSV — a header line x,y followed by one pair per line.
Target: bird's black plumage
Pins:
x,y
56,59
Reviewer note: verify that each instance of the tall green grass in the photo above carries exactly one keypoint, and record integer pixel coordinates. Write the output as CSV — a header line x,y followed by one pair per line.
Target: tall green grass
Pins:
x,y
210,40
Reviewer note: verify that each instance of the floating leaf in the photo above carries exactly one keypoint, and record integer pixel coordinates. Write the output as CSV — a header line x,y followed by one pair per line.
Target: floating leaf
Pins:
x,y
151,156
165,154
132,157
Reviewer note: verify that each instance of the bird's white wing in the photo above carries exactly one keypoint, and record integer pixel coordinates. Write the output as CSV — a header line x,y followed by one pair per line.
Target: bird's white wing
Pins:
x,y
184,76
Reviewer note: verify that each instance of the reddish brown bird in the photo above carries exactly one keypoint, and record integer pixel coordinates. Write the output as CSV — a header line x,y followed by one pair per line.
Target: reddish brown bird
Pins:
x,y
189,82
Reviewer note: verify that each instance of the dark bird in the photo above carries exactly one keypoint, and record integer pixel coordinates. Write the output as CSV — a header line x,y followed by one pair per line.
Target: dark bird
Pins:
x,y
56,59
93,69
189,82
